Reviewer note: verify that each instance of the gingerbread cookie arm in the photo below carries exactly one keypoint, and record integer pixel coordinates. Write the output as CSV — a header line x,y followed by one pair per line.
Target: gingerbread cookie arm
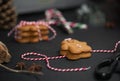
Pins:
x,y
64,47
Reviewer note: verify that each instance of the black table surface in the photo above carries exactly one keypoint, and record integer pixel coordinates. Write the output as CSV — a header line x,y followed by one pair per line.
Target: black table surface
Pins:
x,y
96,37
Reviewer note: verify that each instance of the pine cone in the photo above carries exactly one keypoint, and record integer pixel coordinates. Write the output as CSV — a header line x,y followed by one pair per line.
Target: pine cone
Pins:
x,y
8,15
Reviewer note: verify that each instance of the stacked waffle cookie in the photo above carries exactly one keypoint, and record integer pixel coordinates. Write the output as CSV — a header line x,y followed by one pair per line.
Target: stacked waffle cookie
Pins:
x,y
31,32
74,49
7,14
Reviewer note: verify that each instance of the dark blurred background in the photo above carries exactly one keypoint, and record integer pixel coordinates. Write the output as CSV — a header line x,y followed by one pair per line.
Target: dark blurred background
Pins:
x,y
27,6
109,8
92,12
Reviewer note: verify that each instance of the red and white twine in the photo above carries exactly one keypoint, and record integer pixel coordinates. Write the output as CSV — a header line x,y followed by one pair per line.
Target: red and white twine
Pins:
x,y
46,58
49,27
107,51
54,13
54,16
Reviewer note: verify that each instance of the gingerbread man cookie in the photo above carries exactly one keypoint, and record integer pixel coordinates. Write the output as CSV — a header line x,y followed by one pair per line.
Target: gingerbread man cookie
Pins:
x,y
74,49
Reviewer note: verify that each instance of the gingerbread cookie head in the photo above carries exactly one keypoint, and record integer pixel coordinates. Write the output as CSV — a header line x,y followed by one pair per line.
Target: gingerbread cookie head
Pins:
x,y
4,55
74,49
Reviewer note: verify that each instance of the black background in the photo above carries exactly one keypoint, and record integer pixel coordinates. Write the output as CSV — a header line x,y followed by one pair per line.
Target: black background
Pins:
x,y
96,37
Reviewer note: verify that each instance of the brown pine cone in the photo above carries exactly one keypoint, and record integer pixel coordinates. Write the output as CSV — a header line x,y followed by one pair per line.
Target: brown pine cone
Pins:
x,y
8,15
